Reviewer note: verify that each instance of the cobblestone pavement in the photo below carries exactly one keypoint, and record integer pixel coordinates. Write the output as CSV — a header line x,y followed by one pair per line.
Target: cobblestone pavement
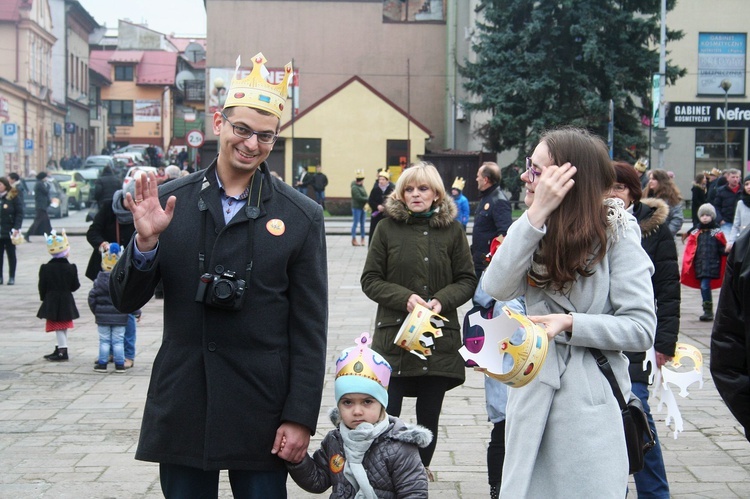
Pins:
x,y
68,432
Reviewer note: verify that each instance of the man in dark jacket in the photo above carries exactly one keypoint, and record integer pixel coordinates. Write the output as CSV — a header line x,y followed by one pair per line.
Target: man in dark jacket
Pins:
x,y
105,186
726,200
730,339
493,215
319,183
242,257
42,200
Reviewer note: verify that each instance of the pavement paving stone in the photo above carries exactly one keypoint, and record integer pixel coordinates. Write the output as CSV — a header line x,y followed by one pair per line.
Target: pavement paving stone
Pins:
x,y
66,431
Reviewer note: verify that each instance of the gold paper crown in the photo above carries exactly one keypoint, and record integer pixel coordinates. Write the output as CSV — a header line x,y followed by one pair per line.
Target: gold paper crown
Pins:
x,y
56,244
413,333
528,352
110,257
255,91
385,174
459,184
641,165
359,174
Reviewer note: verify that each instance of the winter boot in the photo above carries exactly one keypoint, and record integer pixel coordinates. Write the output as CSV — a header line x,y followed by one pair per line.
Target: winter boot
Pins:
x,y
708,312
53,354
362,242
354,243
62,354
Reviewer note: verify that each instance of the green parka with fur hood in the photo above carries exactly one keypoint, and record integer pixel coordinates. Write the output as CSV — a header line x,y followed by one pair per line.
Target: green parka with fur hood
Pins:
x,y
429,257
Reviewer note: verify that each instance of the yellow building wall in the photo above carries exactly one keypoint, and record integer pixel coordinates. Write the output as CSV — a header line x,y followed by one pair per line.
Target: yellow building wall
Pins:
x,y
353,125
128,90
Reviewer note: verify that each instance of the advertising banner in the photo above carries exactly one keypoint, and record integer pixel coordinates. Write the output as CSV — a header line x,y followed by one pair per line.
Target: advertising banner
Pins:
x,y
721,56
147,111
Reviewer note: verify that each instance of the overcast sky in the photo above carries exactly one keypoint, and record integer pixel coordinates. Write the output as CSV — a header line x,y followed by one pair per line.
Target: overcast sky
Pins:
x,y
182,17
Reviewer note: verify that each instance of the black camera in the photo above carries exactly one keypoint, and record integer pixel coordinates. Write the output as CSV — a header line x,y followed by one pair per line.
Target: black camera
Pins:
x,y
225,291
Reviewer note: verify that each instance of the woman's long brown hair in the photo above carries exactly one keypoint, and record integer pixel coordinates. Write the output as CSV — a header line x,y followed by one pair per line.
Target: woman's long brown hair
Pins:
x,y
576,238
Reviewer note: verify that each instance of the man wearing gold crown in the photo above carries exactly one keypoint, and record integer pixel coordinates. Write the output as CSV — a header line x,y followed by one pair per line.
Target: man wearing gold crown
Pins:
x,y
242,258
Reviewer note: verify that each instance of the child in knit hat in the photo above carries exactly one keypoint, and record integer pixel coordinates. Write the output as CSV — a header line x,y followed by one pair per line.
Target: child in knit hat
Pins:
x,y
370,454
110,321
58,279
703,258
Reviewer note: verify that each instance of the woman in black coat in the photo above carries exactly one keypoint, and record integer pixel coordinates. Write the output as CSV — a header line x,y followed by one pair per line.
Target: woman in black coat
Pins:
x,y
698,192
656,238
11,218
380,191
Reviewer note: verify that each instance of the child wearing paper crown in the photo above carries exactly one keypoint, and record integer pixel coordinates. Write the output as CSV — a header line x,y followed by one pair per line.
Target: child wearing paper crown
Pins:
x,y
704,257
370,454
110,321
58,279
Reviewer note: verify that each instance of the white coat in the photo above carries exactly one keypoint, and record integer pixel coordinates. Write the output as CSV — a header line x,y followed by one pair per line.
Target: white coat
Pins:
x,y
564,434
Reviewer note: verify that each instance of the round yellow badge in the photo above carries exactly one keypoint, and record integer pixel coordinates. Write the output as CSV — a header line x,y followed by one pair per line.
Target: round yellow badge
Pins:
x,y
275,227
336,463
486,206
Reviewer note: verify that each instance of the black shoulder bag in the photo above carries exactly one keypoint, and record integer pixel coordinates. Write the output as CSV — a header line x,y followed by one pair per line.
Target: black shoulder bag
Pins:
x,y
638,436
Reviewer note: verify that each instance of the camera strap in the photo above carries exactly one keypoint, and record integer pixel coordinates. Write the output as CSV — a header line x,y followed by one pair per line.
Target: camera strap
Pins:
x,y
252,211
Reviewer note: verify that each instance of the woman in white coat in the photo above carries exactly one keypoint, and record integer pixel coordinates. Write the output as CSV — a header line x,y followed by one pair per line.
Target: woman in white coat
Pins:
x,y
577,257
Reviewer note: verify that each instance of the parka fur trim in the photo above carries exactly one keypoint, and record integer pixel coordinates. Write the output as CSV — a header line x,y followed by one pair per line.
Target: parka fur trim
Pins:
x,y
407,433
659,214
445,213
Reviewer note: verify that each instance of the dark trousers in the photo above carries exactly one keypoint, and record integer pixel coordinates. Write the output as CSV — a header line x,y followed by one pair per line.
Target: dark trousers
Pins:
x,y
41,224
183,482
7,247
496,454
429,391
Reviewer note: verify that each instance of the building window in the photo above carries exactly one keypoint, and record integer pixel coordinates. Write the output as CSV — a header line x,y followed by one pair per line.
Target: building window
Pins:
x,y
305,154
709,149
123,73
120,112
413,10
397,153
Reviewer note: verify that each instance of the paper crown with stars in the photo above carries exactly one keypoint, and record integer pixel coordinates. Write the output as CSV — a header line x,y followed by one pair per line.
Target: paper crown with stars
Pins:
x,y
255,91
359,174
57,246
418,333
362,370
110,257
459,184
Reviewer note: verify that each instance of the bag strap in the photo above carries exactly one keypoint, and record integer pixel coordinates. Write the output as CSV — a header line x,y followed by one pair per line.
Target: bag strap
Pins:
x,y
603,363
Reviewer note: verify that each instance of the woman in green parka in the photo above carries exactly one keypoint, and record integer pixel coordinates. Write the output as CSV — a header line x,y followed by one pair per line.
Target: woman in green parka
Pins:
x,y
419,255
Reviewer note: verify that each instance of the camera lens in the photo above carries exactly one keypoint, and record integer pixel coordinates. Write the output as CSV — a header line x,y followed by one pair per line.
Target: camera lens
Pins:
x,y
223,290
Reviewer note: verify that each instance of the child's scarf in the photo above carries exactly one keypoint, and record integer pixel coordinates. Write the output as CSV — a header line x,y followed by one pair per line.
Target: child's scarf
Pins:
x,y
356,444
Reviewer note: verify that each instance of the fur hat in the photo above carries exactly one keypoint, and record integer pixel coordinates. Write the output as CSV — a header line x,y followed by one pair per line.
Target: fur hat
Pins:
x,y
362,370
707,209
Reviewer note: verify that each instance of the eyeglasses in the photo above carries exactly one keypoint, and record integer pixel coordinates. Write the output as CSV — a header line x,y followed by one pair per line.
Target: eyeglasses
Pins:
x,y
244,132
531,171
619,188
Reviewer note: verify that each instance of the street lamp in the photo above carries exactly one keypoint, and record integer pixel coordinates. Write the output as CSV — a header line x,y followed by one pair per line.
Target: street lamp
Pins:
x,y
726,85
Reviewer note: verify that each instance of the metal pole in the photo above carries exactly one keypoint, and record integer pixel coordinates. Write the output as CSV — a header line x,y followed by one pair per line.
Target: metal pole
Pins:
x,y
726,85
663,73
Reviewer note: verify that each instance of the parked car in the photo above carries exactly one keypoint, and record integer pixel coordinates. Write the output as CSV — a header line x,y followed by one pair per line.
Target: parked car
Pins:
x,y
74,186
128,159
130,175
99,162
56,191
141,148
90,175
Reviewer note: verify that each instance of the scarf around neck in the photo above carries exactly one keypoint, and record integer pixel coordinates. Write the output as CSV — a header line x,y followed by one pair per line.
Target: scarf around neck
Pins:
x,y
356,444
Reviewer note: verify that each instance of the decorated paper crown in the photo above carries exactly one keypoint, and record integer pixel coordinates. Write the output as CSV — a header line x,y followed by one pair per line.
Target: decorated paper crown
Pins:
x,y
685,368
513,335
459,184
110,257
359,174
255,91
385,174
56,244
419,330
362,370
641,165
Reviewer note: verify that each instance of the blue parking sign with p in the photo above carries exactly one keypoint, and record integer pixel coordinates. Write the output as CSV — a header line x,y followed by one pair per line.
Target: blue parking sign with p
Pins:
x,y
9,129
28,144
